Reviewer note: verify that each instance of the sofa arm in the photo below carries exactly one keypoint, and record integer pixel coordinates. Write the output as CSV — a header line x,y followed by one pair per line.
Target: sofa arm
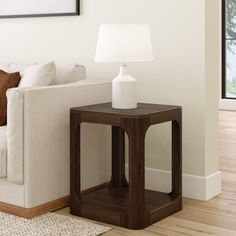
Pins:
x,y
47,140
15,134
38,129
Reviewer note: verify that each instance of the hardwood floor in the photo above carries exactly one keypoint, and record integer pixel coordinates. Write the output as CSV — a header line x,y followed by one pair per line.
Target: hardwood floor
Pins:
x,y
215,217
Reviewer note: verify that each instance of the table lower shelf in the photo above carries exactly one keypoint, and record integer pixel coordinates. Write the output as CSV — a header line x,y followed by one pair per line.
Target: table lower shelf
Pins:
x,y
110,205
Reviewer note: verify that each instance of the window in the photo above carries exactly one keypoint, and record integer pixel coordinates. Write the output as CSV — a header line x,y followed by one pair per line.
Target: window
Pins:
x,y
229,49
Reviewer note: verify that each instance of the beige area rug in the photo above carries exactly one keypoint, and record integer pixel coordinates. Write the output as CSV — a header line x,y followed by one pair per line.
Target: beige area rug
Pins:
x,y
50,224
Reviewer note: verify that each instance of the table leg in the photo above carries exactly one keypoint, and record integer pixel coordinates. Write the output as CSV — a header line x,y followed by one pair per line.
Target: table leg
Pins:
x,y
118,178
75,198
176,159
136,130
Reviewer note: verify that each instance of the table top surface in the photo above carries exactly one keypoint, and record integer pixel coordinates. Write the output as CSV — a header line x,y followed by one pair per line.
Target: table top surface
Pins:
x,y
143,109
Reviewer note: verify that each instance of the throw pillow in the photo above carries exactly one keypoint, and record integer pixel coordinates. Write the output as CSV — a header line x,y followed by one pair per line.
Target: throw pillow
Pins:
x,y
38,75
7,80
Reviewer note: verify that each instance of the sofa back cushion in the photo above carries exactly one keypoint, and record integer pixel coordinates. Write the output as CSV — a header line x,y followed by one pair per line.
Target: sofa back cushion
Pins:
x,y
65,73
69,73
13,67
5,67
7,80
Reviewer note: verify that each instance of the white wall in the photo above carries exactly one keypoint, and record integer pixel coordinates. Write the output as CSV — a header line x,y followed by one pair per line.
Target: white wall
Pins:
x,y
176,76
212,74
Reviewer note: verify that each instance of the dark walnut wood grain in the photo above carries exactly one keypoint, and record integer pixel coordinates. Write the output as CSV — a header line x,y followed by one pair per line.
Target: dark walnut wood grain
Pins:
x,y
126,204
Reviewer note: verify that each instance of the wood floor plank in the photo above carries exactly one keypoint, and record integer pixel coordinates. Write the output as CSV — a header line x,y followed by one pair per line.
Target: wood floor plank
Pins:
x,y
175,226
228,195
224,222
213,207
228,165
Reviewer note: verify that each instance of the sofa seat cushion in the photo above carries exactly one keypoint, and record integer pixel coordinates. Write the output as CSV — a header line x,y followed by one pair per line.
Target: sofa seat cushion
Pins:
x,y
3,151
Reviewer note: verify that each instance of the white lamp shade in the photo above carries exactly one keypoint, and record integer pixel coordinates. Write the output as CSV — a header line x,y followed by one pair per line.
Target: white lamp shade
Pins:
x,y
124,43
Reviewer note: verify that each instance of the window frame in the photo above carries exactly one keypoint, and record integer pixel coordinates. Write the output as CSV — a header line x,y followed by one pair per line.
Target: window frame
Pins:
x,y
224,53
223,17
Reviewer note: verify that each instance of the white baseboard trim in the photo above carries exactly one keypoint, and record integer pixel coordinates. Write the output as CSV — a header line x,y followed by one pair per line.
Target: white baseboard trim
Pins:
x,y
195,187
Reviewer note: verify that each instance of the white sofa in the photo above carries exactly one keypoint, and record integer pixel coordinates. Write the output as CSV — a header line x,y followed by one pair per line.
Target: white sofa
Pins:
x,y
34,146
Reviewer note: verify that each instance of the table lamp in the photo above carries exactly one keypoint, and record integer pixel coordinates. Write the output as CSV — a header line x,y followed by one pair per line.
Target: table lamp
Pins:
x,y
124,43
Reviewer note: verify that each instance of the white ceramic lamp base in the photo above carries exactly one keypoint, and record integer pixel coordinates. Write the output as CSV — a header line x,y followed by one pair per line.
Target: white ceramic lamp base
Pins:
x,y
124,90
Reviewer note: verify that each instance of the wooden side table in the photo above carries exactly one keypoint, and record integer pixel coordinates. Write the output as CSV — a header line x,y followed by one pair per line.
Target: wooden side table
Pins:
x,y
126,204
